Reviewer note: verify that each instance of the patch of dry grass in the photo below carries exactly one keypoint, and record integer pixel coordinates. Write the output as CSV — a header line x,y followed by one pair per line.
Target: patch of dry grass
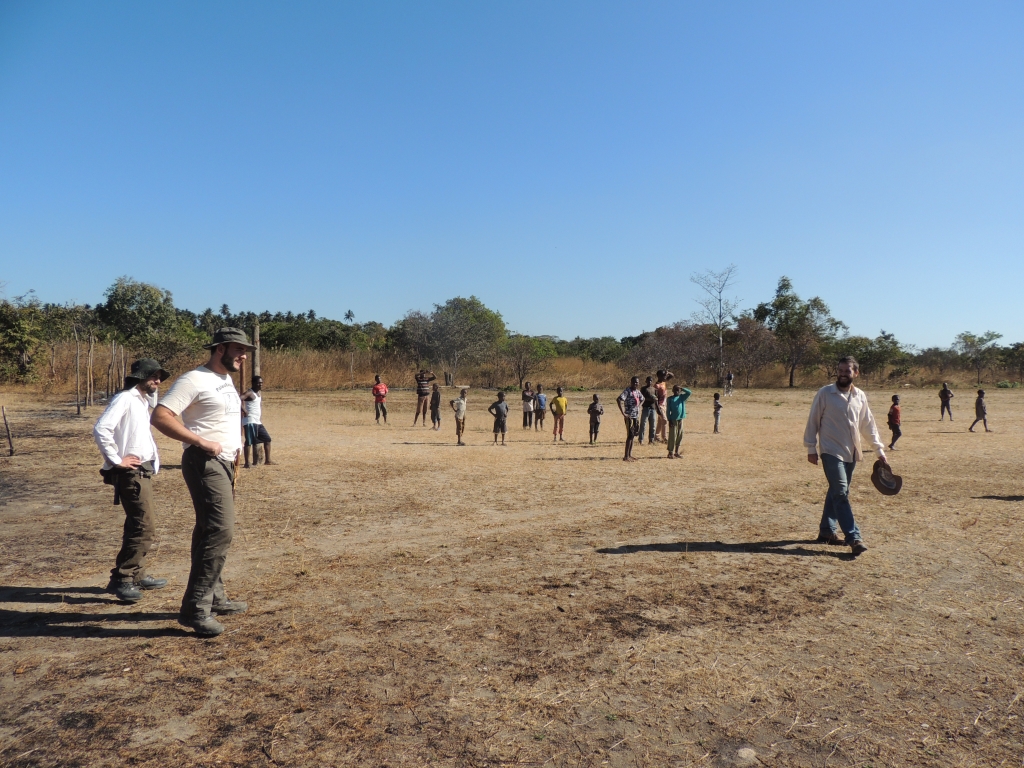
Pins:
x,y
413,602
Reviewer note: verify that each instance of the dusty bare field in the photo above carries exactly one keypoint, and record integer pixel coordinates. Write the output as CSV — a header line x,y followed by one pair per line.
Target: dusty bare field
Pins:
x,y
415,603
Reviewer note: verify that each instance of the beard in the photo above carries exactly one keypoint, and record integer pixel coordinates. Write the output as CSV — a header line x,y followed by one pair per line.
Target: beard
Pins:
x,y
844,381
150,387
228,362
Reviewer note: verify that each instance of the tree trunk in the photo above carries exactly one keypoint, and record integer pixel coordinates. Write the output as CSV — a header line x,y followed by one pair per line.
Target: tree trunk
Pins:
x,y
792,375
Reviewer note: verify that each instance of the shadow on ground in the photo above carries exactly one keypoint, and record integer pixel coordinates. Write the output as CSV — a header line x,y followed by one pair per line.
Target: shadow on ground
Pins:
x,y
70,595
72,624
784,547
1000,498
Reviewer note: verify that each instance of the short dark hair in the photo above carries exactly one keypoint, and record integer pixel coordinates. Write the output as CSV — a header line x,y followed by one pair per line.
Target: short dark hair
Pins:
x,y
851,361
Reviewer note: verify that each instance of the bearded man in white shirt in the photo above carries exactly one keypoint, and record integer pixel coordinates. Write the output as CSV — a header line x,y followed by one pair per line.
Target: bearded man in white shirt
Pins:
x,y
839,415
130,460
211,433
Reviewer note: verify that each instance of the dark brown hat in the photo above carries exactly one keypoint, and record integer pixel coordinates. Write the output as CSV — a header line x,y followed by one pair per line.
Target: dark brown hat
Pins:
x,y
144,370
229,336
884,480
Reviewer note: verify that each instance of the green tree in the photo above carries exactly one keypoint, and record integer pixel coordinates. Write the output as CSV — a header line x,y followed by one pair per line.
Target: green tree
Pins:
x,y
751,346
1012,357
20,321
524,355
144,319
800,327
979,350
463,331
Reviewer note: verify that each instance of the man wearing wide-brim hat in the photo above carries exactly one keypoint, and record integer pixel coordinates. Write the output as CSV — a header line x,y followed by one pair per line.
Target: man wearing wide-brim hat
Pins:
x,y
130,459
211,433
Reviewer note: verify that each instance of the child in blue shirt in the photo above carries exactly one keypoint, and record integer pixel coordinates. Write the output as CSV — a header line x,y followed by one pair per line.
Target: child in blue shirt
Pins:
x,y
675,408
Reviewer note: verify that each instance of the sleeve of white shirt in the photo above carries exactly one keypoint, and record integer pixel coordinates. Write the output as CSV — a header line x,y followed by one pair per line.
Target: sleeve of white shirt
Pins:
x,y
180,395
103,432
813,424
869,429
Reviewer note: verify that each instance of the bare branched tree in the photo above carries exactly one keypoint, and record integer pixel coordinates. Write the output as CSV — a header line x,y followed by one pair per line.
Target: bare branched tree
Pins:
x,y
715,309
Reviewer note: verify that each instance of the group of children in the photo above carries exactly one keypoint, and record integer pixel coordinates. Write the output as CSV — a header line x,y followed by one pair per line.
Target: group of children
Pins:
x,y
945,396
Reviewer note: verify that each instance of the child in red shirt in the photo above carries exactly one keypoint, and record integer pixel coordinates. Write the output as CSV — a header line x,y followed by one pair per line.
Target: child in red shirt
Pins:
x,y
894,421
380,396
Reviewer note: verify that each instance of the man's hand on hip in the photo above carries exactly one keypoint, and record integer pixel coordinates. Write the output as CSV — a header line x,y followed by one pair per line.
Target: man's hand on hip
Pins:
x,y
211,447
130,462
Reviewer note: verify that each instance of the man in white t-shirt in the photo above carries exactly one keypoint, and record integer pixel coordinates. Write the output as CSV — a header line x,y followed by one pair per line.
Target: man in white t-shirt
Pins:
x,y
210,430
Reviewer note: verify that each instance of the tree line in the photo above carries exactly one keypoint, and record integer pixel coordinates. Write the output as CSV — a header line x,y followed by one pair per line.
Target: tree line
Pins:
x,y
801,335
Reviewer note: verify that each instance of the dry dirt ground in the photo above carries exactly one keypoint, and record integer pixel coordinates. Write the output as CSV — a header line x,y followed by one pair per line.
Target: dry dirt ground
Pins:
x,y
416,603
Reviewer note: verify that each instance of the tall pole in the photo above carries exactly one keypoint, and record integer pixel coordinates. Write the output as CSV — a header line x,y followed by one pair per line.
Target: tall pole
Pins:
x,y
256,351
78,374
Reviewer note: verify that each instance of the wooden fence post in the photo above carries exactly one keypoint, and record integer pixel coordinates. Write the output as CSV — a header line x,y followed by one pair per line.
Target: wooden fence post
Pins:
x,y
78,374
10,441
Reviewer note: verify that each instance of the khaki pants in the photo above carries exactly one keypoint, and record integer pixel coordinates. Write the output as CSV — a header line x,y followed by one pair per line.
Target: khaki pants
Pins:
x,y
209,483
460,429
136,492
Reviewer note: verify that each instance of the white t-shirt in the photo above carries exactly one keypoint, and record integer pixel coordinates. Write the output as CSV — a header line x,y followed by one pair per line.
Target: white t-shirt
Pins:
x,y
210,407
253,409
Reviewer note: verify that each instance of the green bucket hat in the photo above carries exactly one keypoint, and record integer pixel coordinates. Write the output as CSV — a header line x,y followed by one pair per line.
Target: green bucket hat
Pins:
x,y
229,336
143,370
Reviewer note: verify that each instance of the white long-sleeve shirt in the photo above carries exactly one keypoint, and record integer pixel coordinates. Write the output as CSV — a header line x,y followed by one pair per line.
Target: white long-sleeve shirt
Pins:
x,y
837,421
123,430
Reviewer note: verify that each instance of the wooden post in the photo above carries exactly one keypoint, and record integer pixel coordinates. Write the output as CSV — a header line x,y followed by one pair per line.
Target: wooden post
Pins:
x,y
256,350
90,384
10,441
78,374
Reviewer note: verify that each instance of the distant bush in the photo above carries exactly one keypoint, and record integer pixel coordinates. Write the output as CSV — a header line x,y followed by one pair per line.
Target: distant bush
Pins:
x,y
1008,384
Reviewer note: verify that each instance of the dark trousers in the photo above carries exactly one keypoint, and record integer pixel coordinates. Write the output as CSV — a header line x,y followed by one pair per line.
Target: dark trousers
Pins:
x,y
209,482
380,409
595,427
136,492
527,419
897,433
647,417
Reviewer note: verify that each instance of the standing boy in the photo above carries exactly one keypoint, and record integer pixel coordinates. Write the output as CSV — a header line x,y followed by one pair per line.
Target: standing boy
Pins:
x,y
210,411
895,419
540,408
629,405
380,399
423,379
839,415
945,395
459,406
980,412
499,410
435,408
596,411
559,407
676,410
728,384
718,412
650,410
527,406
252,422
130,460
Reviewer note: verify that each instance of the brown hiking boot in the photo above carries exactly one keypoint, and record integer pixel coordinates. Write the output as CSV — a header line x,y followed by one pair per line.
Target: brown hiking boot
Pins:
x,y
858,547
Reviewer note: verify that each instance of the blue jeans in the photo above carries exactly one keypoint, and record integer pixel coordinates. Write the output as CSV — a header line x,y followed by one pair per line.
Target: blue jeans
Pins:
x,y
839,473
648,415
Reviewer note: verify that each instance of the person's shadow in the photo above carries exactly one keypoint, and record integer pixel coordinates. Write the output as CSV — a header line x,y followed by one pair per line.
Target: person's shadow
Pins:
x,y
29,623
782,547
1000,498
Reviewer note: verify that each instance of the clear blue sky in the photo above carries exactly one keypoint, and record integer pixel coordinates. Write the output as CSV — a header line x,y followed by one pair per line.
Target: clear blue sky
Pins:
x,y
569,163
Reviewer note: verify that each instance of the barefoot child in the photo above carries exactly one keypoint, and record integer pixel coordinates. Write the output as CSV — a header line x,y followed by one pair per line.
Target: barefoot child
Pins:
x,y
435,408
718,412
559,407
459,406
499,410
596,411
980,412
540,408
